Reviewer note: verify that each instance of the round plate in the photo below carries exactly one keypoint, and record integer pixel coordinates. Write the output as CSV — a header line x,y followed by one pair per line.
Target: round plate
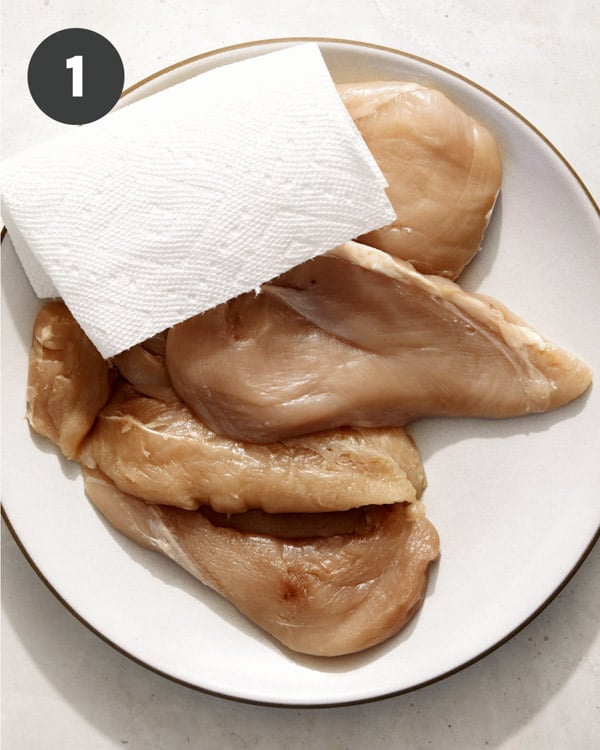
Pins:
x,y
515,501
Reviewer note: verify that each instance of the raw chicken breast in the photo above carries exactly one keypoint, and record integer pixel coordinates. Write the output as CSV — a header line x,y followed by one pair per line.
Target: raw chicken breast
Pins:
x,y
159,451
318,595
358,337
68,381
443,168
144,367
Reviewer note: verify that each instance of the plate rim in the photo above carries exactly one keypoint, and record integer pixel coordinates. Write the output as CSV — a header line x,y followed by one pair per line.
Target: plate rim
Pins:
x,y
561,585
372,46
296,705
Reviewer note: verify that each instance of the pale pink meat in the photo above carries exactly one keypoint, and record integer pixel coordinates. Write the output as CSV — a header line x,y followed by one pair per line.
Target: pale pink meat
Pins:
x,y
159,451
358,337
68,381
144,367
155,448
444,171
318,595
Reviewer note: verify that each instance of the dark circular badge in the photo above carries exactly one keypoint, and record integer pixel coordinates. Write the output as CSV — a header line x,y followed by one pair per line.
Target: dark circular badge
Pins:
x,y
75,76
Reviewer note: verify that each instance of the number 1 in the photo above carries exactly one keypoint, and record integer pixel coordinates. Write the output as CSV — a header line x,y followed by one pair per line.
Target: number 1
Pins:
x,y
76,65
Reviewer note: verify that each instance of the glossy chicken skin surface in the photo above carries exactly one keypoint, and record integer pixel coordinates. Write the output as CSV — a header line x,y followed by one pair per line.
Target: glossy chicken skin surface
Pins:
x,y
358,337
325,596
443,168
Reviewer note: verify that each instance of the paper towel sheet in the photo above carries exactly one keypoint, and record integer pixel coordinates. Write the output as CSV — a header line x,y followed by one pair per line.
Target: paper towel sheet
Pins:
x,y
185,199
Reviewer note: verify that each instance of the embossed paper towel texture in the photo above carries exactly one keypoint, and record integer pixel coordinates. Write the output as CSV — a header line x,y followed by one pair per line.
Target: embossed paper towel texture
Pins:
x,y
185,199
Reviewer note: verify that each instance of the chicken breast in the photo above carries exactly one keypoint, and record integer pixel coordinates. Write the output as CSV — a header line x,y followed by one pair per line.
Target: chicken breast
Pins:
x,y
358,337
68,381
317,595
159,451
443,168
143,366
156,448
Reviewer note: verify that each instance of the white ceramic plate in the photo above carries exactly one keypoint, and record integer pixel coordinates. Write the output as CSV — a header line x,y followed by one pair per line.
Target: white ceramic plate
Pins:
x,y
515,502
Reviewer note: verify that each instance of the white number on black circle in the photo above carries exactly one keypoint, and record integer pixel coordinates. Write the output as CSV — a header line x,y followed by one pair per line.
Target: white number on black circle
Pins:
x,y
76,65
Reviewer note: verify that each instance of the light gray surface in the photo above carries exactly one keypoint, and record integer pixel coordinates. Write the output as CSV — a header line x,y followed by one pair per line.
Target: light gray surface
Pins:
x,y
61,685
64,687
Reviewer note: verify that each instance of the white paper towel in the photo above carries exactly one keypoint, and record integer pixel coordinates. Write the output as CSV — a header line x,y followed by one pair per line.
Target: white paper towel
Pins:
x,y
185,199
